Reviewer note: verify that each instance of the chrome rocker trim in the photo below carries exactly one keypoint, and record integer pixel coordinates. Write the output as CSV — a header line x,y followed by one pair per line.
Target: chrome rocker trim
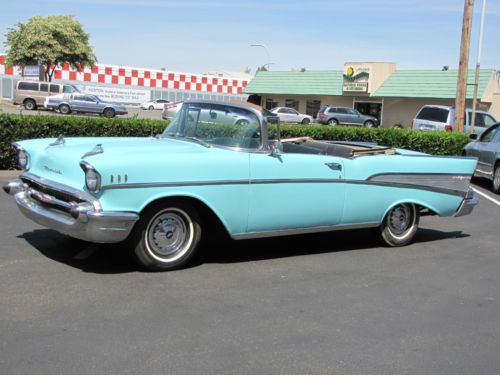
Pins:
x,y
467,204
80,220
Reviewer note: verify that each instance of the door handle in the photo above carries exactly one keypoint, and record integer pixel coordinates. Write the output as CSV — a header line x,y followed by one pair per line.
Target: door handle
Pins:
x,y
334,166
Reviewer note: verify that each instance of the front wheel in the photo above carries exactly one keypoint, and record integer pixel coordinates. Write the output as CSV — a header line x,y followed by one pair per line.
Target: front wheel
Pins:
x,y
400,224
109,112
151,107
64,109
369,124
306,121
166,237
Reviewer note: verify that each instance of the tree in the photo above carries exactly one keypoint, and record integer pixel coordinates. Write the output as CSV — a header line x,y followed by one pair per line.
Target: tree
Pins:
x,y
49,42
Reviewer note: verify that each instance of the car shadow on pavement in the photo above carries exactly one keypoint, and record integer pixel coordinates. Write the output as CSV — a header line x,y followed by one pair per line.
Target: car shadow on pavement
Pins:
x,y
114,258
229,251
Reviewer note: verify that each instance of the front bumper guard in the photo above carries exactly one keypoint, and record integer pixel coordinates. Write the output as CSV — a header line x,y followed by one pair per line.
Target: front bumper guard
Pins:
x,y
79,220
468,204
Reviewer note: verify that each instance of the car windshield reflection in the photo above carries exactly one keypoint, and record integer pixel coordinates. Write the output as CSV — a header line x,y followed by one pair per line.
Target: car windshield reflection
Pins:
x,y
217,125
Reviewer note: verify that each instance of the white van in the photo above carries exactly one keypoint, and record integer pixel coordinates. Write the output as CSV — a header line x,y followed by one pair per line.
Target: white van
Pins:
x,y
442,117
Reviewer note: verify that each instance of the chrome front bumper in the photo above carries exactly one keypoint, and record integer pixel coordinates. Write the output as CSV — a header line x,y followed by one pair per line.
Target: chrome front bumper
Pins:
x,y
467,204
80,219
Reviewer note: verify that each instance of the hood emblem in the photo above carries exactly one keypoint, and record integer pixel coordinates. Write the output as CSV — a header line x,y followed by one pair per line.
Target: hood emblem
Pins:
x,y
48,169
59,141
96,150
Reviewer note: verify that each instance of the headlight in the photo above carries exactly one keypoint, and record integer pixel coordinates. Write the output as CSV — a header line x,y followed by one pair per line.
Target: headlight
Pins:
x,y
92,177
22,157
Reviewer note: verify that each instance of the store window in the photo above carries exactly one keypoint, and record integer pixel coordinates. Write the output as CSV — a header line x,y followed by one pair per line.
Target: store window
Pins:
x,y
292,103
312,107
271,103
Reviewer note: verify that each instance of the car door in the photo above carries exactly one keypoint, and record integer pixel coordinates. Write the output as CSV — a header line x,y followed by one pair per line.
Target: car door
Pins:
x,y
294,191
284,115
77,103
354,118
486,149
294,115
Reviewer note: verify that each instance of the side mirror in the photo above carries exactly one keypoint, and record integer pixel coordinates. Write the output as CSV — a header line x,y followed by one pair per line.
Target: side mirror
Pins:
x,y
275,149
473,136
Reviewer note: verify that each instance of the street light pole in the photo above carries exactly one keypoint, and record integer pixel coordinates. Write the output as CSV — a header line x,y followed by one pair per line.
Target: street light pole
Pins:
x,y
478,64
267,53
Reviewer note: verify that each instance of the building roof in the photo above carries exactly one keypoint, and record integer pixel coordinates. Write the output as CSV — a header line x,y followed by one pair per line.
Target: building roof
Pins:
x,y
430,84
435,84
314,82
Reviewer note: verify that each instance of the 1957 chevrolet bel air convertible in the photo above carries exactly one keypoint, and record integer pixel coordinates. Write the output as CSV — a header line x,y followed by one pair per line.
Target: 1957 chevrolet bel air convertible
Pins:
x,y
215,163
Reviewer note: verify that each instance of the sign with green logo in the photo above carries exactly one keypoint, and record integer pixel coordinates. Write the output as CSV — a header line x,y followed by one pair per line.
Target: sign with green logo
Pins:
x,y
355,80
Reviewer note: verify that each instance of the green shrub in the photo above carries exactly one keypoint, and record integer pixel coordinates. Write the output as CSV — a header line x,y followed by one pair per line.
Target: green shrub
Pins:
x,y
18,127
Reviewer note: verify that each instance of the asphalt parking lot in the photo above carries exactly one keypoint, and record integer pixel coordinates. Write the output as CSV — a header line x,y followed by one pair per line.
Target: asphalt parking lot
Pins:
x,y
336,303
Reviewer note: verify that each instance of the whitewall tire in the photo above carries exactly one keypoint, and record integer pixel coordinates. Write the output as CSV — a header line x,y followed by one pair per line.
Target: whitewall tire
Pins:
x,y
400,224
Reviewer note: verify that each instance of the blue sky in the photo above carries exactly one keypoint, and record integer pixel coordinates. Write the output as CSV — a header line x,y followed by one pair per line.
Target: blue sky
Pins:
x,y
198,35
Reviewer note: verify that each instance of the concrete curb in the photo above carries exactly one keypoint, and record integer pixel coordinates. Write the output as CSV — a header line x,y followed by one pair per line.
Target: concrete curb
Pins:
x,y
9,174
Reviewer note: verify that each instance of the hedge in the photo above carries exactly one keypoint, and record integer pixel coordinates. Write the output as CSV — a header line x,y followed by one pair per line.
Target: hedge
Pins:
x,y
18,127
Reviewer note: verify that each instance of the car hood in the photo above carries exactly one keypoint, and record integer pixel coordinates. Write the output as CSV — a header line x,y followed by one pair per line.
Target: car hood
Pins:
x,y
61,162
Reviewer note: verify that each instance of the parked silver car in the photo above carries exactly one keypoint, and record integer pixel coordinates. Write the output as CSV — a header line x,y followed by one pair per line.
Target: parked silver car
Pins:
x,y
442,117
84,103
487,149
290,115
345,116
154,104
170,110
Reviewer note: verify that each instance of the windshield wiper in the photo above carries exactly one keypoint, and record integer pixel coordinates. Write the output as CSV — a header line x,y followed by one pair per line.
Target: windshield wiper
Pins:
x,y
194,139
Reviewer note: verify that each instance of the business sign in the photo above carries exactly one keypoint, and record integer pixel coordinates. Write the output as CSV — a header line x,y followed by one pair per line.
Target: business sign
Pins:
x,y
31,73
355,79
118,95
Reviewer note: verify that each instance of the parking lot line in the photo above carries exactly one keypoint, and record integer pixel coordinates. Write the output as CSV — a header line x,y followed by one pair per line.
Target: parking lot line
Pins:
x,y
486,196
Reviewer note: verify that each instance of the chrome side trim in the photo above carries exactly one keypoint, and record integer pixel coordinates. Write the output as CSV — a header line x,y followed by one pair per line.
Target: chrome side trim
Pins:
x,y
294,231
436,189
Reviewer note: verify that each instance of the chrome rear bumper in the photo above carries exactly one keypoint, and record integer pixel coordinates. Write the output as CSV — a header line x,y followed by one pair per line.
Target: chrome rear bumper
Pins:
x,y
79,219
467,204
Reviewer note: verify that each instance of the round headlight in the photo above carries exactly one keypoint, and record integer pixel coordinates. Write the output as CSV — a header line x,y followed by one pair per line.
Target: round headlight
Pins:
x,y
22,158
93,180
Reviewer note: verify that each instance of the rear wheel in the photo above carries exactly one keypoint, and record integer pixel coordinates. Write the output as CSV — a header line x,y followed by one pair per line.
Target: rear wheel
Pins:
x,y
496,179
333,122
166,236
109,112
64,109
30,104
151,107
400,224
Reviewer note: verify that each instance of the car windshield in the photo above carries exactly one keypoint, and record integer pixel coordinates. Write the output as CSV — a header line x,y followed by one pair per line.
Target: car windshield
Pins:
x,y
216,125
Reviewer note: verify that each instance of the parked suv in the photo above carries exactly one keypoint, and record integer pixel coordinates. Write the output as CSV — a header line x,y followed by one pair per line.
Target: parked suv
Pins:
x,y
33,94
344,116
442,117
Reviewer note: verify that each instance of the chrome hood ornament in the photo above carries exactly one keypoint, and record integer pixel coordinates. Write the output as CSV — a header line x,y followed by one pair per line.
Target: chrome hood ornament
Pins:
x,y
95,151
59,141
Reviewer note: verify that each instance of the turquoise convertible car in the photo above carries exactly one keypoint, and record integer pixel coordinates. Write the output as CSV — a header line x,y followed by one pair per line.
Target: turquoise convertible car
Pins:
x,y
216,165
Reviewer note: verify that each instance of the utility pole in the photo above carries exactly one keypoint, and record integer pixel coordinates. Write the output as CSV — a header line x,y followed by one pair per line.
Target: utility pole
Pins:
x,y
462,66
478,65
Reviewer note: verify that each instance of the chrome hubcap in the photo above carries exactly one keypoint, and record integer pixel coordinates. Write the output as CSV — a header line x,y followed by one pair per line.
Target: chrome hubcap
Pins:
x,y
168,234
400,219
